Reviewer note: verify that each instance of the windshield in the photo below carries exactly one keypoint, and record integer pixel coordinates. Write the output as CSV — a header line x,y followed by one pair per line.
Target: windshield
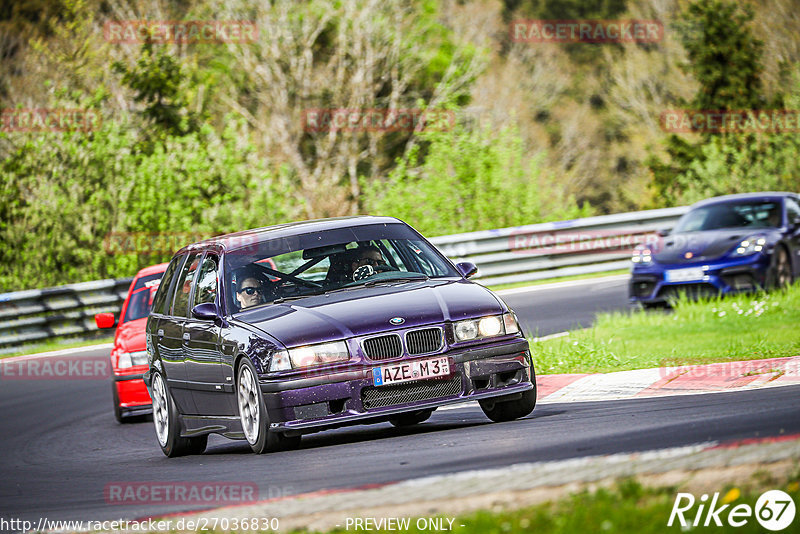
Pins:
x,y
141,298
311,264
740,215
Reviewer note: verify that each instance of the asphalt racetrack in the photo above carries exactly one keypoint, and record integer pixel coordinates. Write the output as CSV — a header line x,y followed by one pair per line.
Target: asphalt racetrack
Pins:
x,y
60,446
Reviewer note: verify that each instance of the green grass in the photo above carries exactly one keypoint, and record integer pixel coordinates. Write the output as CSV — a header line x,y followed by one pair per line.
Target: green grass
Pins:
x,y
57,345
742,327
557,279
627,507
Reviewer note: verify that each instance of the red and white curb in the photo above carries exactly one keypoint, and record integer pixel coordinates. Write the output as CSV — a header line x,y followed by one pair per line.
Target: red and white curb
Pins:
x,y
667,381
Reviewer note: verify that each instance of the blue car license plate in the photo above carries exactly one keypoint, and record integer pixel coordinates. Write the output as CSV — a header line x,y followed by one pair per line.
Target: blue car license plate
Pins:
x,y
409,371
684,275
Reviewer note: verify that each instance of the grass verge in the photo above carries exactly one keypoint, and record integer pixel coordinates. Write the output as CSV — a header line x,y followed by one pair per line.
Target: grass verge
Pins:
x,y
56,345
627,507
741,327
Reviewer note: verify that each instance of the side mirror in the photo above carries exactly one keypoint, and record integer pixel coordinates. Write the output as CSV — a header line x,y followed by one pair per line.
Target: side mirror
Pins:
x,y
663,232
205,312
105,320
467,269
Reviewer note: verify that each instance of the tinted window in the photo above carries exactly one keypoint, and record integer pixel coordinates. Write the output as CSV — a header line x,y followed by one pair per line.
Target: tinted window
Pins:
x,y
183,288
161,302
310,264
792,211
731,215
206,290
142,297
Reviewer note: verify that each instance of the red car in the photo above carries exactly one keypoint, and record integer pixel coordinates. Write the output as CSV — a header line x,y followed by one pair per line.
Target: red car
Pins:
x,y
129,355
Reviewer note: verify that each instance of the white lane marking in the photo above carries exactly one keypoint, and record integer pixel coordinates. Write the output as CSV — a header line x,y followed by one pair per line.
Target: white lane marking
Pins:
x,y
63,352
609,386
559,285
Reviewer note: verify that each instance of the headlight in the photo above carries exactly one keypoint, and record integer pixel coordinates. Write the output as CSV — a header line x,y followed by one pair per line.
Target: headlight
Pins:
x,y
642,254
309,356
751,245
491,326
130,359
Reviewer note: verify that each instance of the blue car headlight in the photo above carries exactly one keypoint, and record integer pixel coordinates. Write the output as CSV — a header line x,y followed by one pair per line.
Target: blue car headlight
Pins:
x,y
642,255
751,245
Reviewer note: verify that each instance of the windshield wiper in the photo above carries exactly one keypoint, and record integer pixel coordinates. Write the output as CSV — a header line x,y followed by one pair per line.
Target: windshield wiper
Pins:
x,y
370,283
292,297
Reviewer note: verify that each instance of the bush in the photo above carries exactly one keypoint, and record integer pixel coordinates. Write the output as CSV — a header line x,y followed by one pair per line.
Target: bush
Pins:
x,y
470,180
64,194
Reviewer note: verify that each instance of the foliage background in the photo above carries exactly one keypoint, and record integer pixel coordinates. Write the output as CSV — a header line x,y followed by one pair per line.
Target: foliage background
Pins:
x,y
208,139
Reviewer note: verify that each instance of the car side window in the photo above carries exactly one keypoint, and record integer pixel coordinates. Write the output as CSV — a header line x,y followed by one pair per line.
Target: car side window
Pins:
x,y
206,290
162,299
792,211
183,288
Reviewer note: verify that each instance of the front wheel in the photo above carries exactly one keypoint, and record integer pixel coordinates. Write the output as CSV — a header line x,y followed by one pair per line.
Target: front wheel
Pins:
x,y
253,414
165,419
117,409
779,275
499,410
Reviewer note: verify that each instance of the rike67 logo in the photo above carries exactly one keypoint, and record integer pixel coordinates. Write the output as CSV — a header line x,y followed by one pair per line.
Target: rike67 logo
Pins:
x,y
774,510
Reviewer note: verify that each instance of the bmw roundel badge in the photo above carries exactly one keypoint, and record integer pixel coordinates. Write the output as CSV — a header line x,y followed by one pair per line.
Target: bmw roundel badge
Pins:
x,y
397,320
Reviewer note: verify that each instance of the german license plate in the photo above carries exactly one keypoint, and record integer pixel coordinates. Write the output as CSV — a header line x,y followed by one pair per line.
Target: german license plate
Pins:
x,y
684,275
409,371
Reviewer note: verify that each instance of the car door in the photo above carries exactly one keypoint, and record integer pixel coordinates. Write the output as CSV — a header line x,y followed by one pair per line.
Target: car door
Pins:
x,y
173,333
202,346
793,221
158,345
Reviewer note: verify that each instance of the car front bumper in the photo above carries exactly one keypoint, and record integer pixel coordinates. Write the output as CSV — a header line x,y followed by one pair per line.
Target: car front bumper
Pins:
x,y
649,285
134,399
316,403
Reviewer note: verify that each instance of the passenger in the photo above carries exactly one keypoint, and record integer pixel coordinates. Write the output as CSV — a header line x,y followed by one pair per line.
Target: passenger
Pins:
x,y
369,255
774,217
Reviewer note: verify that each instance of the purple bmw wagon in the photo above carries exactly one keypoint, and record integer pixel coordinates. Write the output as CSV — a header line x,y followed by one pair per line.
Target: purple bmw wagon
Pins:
x,y
269,334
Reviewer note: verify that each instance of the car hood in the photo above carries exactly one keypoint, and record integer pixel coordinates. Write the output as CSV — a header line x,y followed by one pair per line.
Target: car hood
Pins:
x,y
130,336
702,246
366,310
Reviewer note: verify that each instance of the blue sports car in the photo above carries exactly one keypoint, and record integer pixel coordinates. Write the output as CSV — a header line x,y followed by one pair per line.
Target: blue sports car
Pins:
x,y
722,245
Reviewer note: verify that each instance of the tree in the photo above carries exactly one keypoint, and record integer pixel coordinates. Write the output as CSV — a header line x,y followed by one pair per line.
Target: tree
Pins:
x,y
725,58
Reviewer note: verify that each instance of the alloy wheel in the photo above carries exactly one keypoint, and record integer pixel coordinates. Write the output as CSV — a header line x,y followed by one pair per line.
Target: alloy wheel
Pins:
x,y
248,404
784,270
160,410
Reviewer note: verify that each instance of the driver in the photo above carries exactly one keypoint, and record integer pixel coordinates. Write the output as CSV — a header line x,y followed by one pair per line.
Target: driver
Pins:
x,y
249,288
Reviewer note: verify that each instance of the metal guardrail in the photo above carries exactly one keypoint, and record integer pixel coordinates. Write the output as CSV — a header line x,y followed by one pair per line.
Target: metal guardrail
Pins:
x,y
64,311
508,255
563,248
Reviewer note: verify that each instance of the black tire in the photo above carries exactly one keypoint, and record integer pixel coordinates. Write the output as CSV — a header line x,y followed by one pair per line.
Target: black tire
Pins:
x,y
780,273
167,423
253,414
117,408
412,418
500,411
